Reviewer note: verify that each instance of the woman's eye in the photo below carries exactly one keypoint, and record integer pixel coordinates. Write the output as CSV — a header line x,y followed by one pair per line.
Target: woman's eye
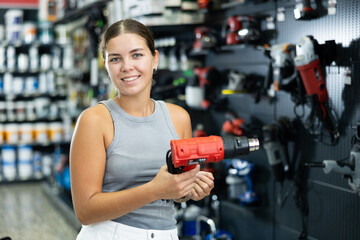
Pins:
x,y
114,59
136,55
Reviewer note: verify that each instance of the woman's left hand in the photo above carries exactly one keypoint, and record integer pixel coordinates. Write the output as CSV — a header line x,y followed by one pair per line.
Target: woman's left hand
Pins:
x,y
203,185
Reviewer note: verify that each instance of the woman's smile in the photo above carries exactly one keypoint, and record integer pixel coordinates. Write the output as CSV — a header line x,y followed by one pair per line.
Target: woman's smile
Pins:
x,y
130,78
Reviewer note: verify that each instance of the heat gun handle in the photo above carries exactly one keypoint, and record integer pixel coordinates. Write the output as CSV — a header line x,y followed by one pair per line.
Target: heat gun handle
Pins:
x,y
170,165
174,170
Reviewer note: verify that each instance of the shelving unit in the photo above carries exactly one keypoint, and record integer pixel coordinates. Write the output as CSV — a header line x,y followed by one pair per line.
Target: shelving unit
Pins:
x,y
41,95
78,13
33,109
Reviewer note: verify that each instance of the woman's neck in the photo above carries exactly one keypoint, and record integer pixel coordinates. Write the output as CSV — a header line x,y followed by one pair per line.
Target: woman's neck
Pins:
x,y
137,107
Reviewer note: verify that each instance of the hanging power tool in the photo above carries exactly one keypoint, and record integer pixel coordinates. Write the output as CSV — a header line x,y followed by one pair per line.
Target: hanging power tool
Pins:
x,y
186,153
310,61
311,9
282,72
349,167
275,139
209,4
214,233
236,83
199,131
233,125
241,29
243,169
96,22
205,38
240,83
303,10
208,78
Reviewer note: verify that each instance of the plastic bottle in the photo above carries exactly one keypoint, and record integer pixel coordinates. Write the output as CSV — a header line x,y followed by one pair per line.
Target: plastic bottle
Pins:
x,y
25,162
8,155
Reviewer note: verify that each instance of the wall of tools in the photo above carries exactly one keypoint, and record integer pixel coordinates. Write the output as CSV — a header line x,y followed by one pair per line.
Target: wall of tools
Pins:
x,y
288,75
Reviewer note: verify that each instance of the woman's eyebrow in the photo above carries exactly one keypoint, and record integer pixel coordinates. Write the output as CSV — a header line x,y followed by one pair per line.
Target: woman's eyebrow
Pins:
x,y
113,54
132,51
136,50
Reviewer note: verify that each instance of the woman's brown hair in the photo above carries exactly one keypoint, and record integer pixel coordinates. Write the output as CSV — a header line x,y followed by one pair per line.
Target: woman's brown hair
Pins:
x,y
127,26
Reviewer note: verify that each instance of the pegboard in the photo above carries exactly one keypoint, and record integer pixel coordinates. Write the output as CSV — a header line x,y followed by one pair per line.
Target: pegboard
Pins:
x,y
333,207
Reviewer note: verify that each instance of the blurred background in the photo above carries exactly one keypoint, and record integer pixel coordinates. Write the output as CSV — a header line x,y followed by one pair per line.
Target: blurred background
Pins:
x,y
283,71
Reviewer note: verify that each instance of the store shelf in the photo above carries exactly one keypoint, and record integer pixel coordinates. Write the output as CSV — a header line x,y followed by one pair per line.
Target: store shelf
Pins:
x,y
248,7
170,30
75,14
21,4
18,181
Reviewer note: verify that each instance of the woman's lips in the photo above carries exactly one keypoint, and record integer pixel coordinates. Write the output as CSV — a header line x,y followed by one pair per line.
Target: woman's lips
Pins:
x,y
130,79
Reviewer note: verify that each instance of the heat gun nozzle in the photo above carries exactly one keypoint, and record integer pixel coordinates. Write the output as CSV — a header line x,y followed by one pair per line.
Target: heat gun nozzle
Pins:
x,y
254,144
236,146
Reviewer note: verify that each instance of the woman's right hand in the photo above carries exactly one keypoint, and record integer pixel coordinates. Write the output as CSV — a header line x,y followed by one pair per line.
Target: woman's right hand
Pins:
x,y
174,186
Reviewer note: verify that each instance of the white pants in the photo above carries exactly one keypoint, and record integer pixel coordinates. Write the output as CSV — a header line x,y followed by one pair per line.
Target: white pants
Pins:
x,y
110,230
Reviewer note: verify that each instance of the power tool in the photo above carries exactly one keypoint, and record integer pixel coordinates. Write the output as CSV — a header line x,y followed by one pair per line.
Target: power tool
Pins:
x,y
236,83
308,63
184,154
241,29
282,72
243,169
303,10
205,38
275,139
233,125
208,78
208,4
349,167
282,62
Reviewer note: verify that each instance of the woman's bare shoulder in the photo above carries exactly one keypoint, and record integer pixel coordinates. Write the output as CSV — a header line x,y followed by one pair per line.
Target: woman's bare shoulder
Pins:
x,y
97,114
180,119
177,112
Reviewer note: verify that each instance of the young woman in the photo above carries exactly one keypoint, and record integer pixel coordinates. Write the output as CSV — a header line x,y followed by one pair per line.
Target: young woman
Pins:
x,y
120,185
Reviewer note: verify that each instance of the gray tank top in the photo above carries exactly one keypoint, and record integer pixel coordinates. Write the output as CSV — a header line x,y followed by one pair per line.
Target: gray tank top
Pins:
x,y
134,157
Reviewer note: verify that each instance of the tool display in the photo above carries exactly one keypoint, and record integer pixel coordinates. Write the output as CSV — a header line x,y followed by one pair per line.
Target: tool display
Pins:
x,y
349,167
310,66
186,153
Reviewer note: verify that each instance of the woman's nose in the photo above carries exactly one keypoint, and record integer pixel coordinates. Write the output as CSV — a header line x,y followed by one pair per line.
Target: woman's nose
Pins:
x,y
126,65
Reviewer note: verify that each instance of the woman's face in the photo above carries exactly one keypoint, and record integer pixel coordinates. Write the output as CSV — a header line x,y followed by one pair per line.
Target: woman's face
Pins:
x,y
130,64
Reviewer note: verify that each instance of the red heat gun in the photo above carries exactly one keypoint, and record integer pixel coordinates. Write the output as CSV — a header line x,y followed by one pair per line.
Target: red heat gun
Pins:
x,y
186,153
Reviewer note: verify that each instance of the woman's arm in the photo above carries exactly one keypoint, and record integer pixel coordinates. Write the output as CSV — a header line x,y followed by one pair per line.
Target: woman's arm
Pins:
x,y
87,167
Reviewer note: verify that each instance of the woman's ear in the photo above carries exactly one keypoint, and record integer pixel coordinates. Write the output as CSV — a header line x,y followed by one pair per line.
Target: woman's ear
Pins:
x,y
156,60
105,65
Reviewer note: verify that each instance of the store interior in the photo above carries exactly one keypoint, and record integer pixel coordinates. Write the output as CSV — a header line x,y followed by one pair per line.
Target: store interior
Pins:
x,y
283,72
